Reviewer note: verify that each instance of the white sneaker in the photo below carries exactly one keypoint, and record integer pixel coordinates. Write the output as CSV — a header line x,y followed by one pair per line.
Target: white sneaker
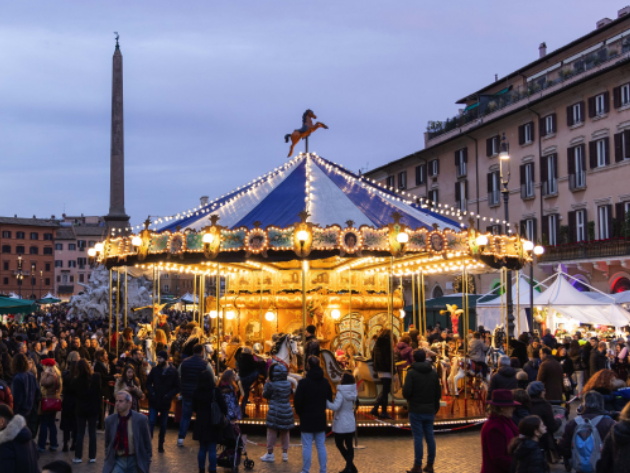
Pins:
x,y
92,460
285,457
180,442
77,460
268,457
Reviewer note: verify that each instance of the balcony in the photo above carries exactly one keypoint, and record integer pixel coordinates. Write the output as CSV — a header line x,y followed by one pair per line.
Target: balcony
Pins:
x,y
577,181
550,188
527,190
586,250
493,198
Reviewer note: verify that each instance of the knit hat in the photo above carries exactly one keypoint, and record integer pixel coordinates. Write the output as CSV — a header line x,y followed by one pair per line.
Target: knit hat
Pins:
x,y
162,354
535,388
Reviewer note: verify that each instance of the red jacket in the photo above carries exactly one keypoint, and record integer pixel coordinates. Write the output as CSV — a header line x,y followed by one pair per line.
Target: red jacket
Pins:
x,y
496,434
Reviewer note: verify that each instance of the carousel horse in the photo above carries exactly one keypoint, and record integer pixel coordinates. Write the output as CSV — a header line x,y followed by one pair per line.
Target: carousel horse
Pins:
x,y
333,371
285,351
443,362
145,335
308,127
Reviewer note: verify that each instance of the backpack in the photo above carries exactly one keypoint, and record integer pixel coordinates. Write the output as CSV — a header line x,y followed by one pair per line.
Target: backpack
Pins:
x,y
586,445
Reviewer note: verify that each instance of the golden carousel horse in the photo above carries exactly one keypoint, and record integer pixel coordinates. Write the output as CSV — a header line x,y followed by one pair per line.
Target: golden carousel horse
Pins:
x,y
303,133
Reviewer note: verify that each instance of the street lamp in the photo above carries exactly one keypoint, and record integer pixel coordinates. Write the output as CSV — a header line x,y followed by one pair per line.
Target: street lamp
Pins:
x,y
504,177
536,251
19,275
33,280
41,282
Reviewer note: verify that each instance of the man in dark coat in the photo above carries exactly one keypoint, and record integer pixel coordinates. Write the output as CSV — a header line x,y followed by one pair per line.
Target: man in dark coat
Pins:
x,y
550,374
504,378
310,405
17,448
162,386
549,340
311,344
518,349
422,391
597,359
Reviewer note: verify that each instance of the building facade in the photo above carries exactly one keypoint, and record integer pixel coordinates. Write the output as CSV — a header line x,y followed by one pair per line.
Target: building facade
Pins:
x,y
566,120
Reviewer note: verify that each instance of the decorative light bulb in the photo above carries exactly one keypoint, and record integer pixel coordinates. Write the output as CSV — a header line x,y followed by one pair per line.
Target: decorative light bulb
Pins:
x,y
213,314
335,314
136,241
230,315
99,247
402,237
91,252
401,313
482,240
207,238
528,245
539,250
302,235
270,316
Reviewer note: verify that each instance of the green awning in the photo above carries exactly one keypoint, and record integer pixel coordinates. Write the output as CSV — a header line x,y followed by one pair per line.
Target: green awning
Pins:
x,y
48,300
16,306
471,107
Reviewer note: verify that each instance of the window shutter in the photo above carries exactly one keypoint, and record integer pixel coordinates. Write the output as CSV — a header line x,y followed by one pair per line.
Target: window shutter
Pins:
x,y
554,122
606,102
591,107
625,149
607,149
543,169
541,126
610,220
572,232
618,147
545,228
522,171
532,129
555,165
592,154
522,225
582,111
437,167
571,160
458,194
521,134
583,148
534,230
617,97
570,116
490,188
466,190
465,154
489,147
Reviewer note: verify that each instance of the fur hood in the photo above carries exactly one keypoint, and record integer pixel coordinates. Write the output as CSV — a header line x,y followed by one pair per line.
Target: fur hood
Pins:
x,y
14,429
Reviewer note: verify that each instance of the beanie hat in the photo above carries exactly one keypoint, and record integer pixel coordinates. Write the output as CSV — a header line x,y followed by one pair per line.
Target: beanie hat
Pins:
x,y
162,354
535,388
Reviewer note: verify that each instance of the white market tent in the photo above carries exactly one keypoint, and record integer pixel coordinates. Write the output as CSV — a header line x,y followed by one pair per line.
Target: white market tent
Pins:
x,y
491,310
188,298
593,308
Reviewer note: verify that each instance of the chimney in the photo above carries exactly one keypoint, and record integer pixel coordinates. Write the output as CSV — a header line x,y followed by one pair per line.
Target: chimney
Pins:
x,y
203,200
542,50
623,12
603,22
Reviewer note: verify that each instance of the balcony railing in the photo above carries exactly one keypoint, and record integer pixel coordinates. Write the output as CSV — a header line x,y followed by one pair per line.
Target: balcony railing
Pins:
x,y
550,188
493,198
587,250
577,181
527,190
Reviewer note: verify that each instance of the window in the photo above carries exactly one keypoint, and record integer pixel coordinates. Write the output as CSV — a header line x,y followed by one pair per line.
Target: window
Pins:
x,y
19,250
19,235
493,145
434,168
421,174
71,278
549,174
33,266
6,234
526,133
622,145
59,246
81,262
433,196
5,265
47,282
577,225
48,250
604,222
599,153
5,281
402,180
575,114
621,95
598,105
6,248
494,229
33,250
72,264
548,125
47,267
34,236
91,243
550,229
461,159
72,246
81,244
528,229
81,277
494,188
58,278
527,181
391,181
48,236
577,167
461,194
58,263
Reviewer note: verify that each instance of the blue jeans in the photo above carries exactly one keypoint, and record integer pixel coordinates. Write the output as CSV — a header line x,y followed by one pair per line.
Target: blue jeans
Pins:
x,y
209,449
307,441
47,424
184,423
125,465
153,416
422,425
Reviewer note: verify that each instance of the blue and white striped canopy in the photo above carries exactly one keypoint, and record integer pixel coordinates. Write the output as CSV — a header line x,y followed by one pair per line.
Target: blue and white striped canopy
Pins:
x,y
330,193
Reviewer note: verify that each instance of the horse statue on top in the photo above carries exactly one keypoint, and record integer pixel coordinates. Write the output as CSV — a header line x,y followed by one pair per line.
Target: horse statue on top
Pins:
x,y
308,127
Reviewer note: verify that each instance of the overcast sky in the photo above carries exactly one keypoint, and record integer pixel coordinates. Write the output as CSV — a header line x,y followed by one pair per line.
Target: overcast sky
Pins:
x,y
212,86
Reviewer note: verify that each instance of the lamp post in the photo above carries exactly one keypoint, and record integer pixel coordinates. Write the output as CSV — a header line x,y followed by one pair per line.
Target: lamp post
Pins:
x,y
19,275
41,282
536,251
504,177
33,278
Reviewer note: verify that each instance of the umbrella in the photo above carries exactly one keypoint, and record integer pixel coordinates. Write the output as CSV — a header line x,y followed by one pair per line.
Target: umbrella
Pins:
x,y
9,305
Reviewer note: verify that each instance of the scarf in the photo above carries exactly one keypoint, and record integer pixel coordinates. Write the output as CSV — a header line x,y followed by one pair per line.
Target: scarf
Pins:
x,y
121,441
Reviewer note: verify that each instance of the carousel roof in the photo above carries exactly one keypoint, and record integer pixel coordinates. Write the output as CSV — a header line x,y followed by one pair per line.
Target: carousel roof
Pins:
x,y
329,192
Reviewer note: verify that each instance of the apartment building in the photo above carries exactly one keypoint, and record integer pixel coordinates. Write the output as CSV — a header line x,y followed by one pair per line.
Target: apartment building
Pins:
x,y
26,256
566,120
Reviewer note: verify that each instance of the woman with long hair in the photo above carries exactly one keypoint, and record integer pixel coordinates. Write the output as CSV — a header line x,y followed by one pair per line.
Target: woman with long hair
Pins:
x,y
68,423
129,382
160,341
527,455
195,338
497,433
207,434
24,388
382,358
86,387
614,457
51,385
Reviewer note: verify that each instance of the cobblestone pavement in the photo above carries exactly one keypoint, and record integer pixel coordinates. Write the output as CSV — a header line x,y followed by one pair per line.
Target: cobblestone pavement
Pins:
x,y
456,453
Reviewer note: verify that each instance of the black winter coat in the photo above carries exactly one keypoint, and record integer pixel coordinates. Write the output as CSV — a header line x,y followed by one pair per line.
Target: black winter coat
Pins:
x,y
422,389
597,361
504,378
189,370
87,392
528,457
614,457
162,386
382,354
202,398
310,400
17,449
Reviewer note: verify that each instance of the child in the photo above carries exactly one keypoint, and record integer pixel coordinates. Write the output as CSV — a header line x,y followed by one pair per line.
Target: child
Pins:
x,y
527,454
277,391
344,423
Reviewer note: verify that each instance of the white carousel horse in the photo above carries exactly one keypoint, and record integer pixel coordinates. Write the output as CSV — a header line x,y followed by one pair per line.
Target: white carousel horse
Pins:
x,y
285,351
443,361
145,335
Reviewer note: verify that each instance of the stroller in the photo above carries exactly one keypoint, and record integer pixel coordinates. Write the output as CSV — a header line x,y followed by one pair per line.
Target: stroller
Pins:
x,y
233,450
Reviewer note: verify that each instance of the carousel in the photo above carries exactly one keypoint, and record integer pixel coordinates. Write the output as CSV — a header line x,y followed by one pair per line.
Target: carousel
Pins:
x,y
311,243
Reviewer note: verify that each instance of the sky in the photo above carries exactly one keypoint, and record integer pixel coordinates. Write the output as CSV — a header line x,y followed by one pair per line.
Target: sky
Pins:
x,y
212,86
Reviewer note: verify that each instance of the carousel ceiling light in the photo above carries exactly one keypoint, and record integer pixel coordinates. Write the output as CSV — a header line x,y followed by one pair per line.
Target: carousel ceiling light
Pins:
x,y
335,314
207,238
230,314
91,252
402,237
482,240
213,314
270,316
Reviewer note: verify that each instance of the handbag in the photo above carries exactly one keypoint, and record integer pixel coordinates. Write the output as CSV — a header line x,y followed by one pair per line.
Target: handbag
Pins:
x,y
217,418
51,404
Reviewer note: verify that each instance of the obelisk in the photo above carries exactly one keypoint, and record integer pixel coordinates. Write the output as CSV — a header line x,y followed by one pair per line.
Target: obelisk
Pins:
x,y
117,219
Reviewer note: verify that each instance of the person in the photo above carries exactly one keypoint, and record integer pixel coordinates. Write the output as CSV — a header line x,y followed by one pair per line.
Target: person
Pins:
x,y
207,434
189,371
344,423
549,340
525,408
139,365
163,325
518,347
382,358
162,386
228,390
68,423
527,456
403,352
477,353
57,466
17,448
311,344
24,389
422,392
310,405
6,396
566,362
127,439
605,382
279,419
248,374
614,456
577,358
542,408
108,380
497,433
51,386
86,388
505,376
130,382
598,358
550,374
